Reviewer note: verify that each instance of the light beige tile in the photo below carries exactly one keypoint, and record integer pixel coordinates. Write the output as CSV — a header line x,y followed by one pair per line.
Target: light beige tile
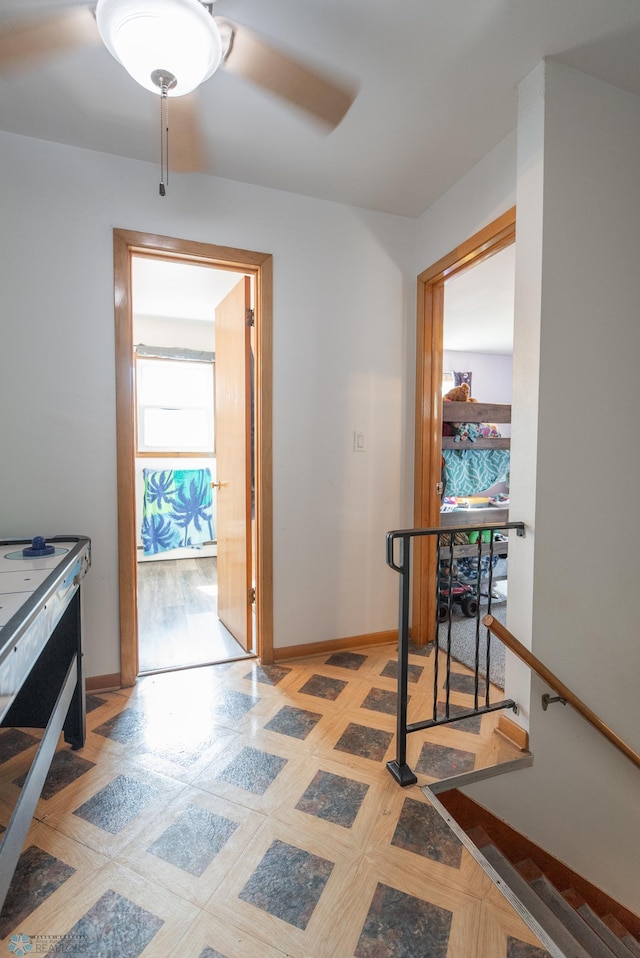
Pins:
x,y
187,743
210,931
60,814
55,919
197,889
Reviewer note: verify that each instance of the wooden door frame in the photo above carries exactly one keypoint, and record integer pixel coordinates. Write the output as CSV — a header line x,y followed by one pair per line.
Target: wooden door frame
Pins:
x,y
126,244
428,411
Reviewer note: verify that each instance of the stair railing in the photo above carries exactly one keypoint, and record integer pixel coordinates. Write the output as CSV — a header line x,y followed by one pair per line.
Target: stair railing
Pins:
x,y
399,545
565,694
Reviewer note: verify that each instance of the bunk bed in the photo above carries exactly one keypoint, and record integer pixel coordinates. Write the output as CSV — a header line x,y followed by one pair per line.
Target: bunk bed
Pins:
x,y
475,458
475,477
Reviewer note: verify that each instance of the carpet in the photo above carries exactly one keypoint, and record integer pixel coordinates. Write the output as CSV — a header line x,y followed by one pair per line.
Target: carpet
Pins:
x,y
463,640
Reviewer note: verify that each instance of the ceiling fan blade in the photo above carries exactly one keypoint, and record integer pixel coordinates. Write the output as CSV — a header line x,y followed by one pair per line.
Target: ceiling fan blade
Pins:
x,y
256,60
38,37
187,153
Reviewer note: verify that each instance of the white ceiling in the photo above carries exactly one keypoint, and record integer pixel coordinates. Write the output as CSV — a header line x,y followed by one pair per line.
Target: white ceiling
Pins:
x,y
479,306
437,91
172,290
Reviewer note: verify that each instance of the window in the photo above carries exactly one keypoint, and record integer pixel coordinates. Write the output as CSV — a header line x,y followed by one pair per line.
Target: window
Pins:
x,y
175,407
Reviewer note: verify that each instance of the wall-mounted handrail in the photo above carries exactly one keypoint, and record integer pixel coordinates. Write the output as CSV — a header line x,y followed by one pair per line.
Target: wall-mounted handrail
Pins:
x,y
558,686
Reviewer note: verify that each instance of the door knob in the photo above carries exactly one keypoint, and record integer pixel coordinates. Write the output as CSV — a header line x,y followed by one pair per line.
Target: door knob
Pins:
x,y
216,485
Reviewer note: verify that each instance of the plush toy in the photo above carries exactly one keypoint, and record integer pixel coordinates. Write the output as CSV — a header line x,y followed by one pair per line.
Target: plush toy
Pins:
x,y
459,394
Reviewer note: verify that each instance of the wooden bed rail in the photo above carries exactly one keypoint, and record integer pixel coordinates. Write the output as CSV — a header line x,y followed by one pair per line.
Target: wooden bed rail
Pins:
x,y
558,686
476,412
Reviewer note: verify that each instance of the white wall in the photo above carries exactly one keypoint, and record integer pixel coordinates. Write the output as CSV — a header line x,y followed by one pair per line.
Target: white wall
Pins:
x,y
492,374
487,191
343,300
577,295
571,580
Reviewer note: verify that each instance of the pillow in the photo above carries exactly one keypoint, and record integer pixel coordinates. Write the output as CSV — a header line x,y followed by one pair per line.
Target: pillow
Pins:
x,y
461,378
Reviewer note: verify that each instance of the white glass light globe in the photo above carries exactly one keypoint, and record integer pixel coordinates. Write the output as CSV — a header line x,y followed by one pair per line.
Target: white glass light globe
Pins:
x,y
178,36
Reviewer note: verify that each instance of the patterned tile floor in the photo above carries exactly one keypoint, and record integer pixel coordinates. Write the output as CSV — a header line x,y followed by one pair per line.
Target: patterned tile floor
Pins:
x,y
241,811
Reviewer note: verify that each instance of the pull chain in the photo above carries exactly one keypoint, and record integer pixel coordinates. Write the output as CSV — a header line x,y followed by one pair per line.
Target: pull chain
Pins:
x,y
164,140
165,81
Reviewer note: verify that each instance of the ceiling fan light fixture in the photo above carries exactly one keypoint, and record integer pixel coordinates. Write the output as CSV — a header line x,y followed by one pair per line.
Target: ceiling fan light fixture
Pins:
x,y
145,36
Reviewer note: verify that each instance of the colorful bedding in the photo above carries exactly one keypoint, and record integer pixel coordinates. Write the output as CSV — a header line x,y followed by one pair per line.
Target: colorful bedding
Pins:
x,y
468,471
470,431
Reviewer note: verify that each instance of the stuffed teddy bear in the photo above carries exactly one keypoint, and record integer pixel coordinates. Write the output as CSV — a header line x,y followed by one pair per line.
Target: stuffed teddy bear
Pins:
x,y
459,394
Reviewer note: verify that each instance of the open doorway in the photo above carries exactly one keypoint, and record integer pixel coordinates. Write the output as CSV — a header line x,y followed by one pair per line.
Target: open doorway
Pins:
x,y
430,368
477,353
180,624
242,317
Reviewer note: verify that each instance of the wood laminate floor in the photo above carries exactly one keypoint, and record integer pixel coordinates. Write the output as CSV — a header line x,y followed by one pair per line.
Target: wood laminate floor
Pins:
x,y
241,811
178,624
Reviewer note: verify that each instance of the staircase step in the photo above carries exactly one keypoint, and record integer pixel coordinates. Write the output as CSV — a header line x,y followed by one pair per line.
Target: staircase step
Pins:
x,y
623,934
547,920
479,824
594,921
549,894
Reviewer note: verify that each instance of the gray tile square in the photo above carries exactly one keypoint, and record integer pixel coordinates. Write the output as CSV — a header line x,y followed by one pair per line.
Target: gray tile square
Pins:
x,y
440,761
117,804
268,674
382,700
112,926
367,742
193,840
472,724
126,727
390,671
288,883
333,798
14,741
401,926
37,875
466,684
347,660
93,702
521,949
323,687
423,650
66,766
233,705
297,723
424,832
253,770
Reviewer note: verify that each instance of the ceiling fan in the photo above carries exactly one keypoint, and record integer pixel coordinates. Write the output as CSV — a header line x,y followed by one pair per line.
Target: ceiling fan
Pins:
x,y
171,47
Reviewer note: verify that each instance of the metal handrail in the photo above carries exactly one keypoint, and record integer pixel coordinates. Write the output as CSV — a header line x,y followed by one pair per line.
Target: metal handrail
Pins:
x,y
401,564
565,693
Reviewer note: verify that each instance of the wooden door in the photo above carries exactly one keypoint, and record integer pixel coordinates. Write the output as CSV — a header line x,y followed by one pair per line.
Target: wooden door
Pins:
x,y
233,461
